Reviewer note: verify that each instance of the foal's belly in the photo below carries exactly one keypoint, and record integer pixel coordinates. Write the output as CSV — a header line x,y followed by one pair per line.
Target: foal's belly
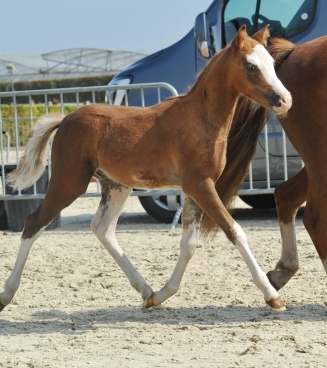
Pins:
x,y
146,176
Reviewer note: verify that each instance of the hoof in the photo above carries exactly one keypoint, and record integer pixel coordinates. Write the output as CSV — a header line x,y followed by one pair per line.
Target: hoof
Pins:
x,y
269,274
1,306
276,304
148,303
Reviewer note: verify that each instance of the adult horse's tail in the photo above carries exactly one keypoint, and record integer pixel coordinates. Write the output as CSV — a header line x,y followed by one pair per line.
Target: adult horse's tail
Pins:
x,y
248,122
33,161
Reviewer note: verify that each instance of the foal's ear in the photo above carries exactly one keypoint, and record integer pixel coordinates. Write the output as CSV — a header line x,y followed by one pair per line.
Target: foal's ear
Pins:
x,y
262,35
240,37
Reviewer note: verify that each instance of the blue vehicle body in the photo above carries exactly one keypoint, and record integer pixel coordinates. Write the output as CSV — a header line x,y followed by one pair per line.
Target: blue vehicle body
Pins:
x,y
180,63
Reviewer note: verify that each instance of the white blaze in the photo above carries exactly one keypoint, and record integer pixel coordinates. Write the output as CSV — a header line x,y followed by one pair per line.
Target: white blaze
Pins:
x,y
264,61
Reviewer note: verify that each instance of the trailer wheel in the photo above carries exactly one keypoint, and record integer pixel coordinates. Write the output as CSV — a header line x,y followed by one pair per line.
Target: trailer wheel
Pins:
x,y
161,208
3,216
260,201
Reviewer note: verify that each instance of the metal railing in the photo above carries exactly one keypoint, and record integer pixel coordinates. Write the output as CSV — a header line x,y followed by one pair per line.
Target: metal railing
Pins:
x,y
275,162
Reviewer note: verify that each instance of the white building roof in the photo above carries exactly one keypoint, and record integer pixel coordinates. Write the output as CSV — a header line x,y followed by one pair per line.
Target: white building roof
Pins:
x,y
72,63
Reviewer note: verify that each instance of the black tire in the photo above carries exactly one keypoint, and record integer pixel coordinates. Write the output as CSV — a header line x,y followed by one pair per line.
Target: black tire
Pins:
x,y
157,212
260,201
3,216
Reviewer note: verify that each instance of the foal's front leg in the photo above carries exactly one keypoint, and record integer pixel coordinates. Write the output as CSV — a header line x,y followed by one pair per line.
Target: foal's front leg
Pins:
x,y
207,198
191,218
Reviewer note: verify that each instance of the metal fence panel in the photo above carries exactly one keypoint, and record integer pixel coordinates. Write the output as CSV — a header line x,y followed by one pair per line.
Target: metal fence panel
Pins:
x,y
275,161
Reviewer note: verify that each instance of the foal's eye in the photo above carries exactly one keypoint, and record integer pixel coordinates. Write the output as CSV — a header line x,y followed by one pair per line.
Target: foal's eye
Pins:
x,y
250,66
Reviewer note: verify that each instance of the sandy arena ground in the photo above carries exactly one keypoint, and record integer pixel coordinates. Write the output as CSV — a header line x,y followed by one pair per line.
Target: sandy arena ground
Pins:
x,y
75,307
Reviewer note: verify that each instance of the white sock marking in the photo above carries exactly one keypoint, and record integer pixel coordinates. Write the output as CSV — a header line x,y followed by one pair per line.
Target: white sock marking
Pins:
x,y
259,277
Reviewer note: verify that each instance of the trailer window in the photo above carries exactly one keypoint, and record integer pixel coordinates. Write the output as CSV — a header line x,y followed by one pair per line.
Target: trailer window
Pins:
x,y
237,13
287,18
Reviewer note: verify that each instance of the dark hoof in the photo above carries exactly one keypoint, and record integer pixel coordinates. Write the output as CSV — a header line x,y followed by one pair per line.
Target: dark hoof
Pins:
x,y
271,281
1,306
276,304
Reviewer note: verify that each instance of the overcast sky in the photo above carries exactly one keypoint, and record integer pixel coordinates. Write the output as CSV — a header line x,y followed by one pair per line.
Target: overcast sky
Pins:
x,y
39,26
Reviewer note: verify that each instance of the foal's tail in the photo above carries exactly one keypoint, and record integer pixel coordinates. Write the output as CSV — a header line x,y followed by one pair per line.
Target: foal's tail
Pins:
x,y
33,161
249,120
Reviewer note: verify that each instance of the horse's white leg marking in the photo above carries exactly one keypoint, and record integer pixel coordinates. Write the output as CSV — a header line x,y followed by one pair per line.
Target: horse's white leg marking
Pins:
x,y
289,257
104,226
187,245
288,263
259,277
12,283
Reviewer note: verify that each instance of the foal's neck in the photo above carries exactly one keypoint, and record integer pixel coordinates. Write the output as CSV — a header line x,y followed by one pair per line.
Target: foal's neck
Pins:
x,y
216,95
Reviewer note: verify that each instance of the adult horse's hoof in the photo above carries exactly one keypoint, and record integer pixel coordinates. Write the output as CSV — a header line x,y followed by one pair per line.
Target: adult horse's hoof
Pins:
x,y
276,304
269,275
1,306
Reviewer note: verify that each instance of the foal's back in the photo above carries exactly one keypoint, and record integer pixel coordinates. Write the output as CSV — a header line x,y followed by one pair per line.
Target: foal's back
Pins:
x,y
135,146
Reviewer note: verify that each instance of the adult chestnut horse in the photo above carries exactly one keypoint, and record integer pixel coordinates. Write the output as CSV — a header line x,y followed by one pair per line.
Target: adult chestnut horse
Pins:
x,y
179,143
303,70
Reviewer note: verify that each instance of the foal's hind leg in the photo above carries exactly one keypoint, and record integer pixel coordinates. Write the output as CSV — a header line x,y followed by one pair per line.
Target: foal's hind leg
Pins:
x,y
60,194
289,196
191,217
103,225
12,283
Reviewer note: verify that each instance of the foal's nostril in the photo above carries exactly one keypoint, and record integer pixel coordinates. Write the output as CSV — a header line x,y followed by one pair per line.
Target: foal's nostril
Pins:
x,y
286,99
275,100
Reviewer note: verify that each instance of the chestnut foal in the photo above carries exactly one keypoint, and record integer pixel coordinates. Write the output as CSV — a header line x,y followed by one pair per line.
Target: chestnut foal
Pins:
x,y
179,143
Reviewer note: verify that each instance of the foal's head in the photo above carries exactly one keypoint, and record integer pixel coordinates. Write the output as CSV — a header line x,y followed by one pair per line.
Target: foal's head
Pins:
x,y
253,72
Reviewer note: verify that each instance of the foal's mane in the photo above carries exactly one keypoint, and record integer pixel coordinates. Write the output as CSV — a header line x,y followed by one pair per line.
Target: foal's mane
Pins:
x,y
206,70
280,49
248,122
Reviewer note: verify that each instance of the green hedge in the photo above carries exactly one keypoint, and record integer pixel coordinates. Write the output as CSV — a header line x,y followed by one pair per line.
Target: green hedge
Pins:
x,y
23,111
25,121
38,107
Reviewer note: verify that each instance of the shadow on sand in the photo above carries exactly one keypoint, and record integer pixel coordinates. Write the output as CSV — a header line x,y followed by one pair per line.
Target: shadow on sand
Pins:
x,y
56,321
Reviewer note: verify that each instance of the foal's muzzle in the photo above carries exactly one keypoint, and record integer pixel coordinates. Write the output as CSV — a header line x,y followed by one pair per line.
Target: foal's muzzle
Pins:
x,y
280,103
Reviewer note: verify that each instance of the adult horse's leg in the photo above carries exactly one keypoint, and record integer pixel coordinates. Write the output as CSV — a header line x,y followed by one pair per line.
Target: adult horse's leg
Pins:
x,y
61,193
104,223
315,216
191,218
289,196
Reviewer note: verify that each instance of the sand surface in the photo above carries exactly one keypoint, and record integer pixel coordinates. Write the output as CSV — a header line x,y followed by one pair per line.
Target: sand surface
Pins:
x,y
75,307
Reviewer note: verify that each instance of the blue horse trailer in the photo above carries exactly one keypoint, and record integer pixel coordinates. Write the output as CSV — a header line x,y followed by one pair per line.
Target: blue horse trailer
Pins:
x,y
179,64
